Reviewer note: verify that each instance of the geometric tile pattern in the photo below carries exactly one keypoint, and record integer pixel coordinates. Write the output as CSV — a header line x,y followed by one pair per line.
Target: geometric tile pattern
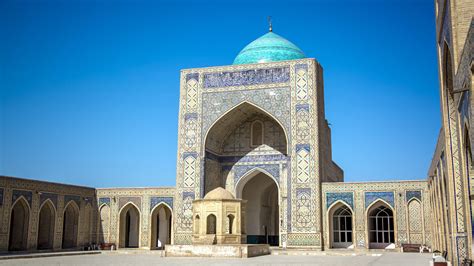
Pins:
x,y
413,194
75,198
302,163
415,222
373,196
104,201
189,171
135,200
192,94
51,196
245,78
347,197
28,195
301,81
157,200
304,216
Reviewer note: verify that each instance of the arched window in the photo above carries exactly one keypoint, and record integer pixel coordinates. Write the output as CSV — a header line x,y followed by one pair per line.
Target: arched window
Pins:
x,y
381,225
197,224
257,133
211,224
342,227
230,223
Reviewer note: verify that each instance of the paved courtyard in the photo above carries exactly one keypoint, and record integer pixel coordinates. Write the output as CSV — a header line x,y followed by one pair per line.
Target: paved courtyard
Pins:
x,y
411,259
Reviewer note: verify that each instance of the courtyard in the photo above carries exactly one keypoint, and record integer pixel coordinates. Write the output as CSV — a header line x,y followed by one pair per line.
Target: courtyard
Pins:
x,y
153,258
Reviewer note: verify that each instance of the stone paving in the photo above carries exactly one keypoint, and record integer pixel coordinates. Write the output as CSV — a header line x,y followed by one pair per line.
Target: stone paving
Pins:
x,y
153,258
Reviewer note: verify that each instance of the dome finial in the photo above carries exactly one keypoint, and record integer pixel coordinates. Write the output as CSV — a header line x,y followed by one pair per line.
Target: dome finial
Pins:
x,y
270,27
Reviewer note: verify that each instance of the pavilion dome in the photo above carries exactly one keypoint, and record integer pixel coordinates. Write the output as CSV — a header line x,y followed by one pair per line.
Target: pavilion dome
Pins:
x,y
219,194
270,47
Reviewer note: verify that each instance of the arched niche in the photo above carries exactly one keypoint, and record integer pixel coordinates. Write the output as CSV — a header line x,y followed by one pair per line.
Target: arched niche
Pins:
x,y
70,225
244,131
161,225
19,225
46,225
341,224
129,228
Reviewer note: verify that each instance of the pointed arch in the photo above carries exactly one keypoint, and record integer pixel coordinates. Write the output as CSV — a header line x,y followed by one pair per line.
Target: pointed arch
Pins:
x,y
129,226
46,225
340,220
161,221
415,221
70,225
239,186
224,122
381,226
104,223
19,225
262,218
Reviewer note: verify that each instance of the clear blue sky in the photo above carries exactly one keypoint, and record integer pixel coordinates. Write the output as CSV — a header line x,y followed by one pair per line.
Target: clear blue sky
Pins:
x,y
89,89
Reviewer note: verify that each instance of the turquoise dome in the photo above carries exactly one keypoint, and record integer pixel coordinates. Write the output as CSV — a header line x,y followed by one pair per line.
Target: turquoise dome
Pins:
x,y
270,47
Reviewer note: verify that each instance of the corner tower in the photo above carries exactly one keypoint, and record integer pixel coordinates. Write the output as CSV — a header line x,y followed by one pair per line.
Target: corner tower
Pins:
x,y
257,128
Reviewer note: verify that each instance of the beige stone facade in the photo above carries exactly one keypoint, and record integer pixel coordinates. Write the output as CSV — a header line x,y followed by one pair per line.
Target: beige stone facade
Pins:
x,y
450,173
259,132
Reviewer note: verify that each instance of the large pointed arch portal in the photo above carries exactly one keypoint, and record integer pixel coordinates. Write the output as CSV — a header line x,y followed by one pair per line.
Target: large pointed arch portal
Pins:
x,y
245,134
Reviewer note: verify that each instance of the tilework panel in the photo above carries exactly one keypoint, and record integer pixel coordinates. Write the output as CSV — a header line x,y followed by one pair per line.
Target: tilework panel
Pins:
x,y
194,76
104,201
373,196
273,169
51,196
75,198
18,193
275,101
247,77
135,200
157,200
413,194
347,197
304,214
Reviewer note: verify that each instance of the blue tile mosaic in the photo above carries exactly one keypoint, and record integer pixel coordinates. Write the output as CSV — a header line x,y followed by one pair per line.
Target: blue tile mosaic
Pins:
x,y
301,66
51,196
105,201
303,146
410,194
272,169
186,154
247,77
18,193
373,196
187,194
346,197
192,76
157,200
304,106
75,198
303,190
246,158
189,116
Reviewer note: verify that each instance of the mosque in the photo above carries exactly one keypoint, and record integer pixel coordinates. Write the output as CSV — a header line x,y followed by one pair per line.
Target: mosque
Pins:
x,y
256,132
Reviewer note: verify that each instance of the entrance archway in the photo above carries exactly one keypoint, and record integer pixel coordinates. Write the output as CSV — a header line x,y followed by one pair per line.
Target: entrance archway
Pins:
x,y
262,212
380,225
46,222
340,224
244,131
161,225
70,225
129,227
19,221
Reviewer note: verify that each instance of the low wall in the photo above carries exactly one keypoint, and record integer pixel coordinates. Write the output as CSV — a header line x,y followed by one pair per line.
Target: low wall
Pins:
x,y
230,251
